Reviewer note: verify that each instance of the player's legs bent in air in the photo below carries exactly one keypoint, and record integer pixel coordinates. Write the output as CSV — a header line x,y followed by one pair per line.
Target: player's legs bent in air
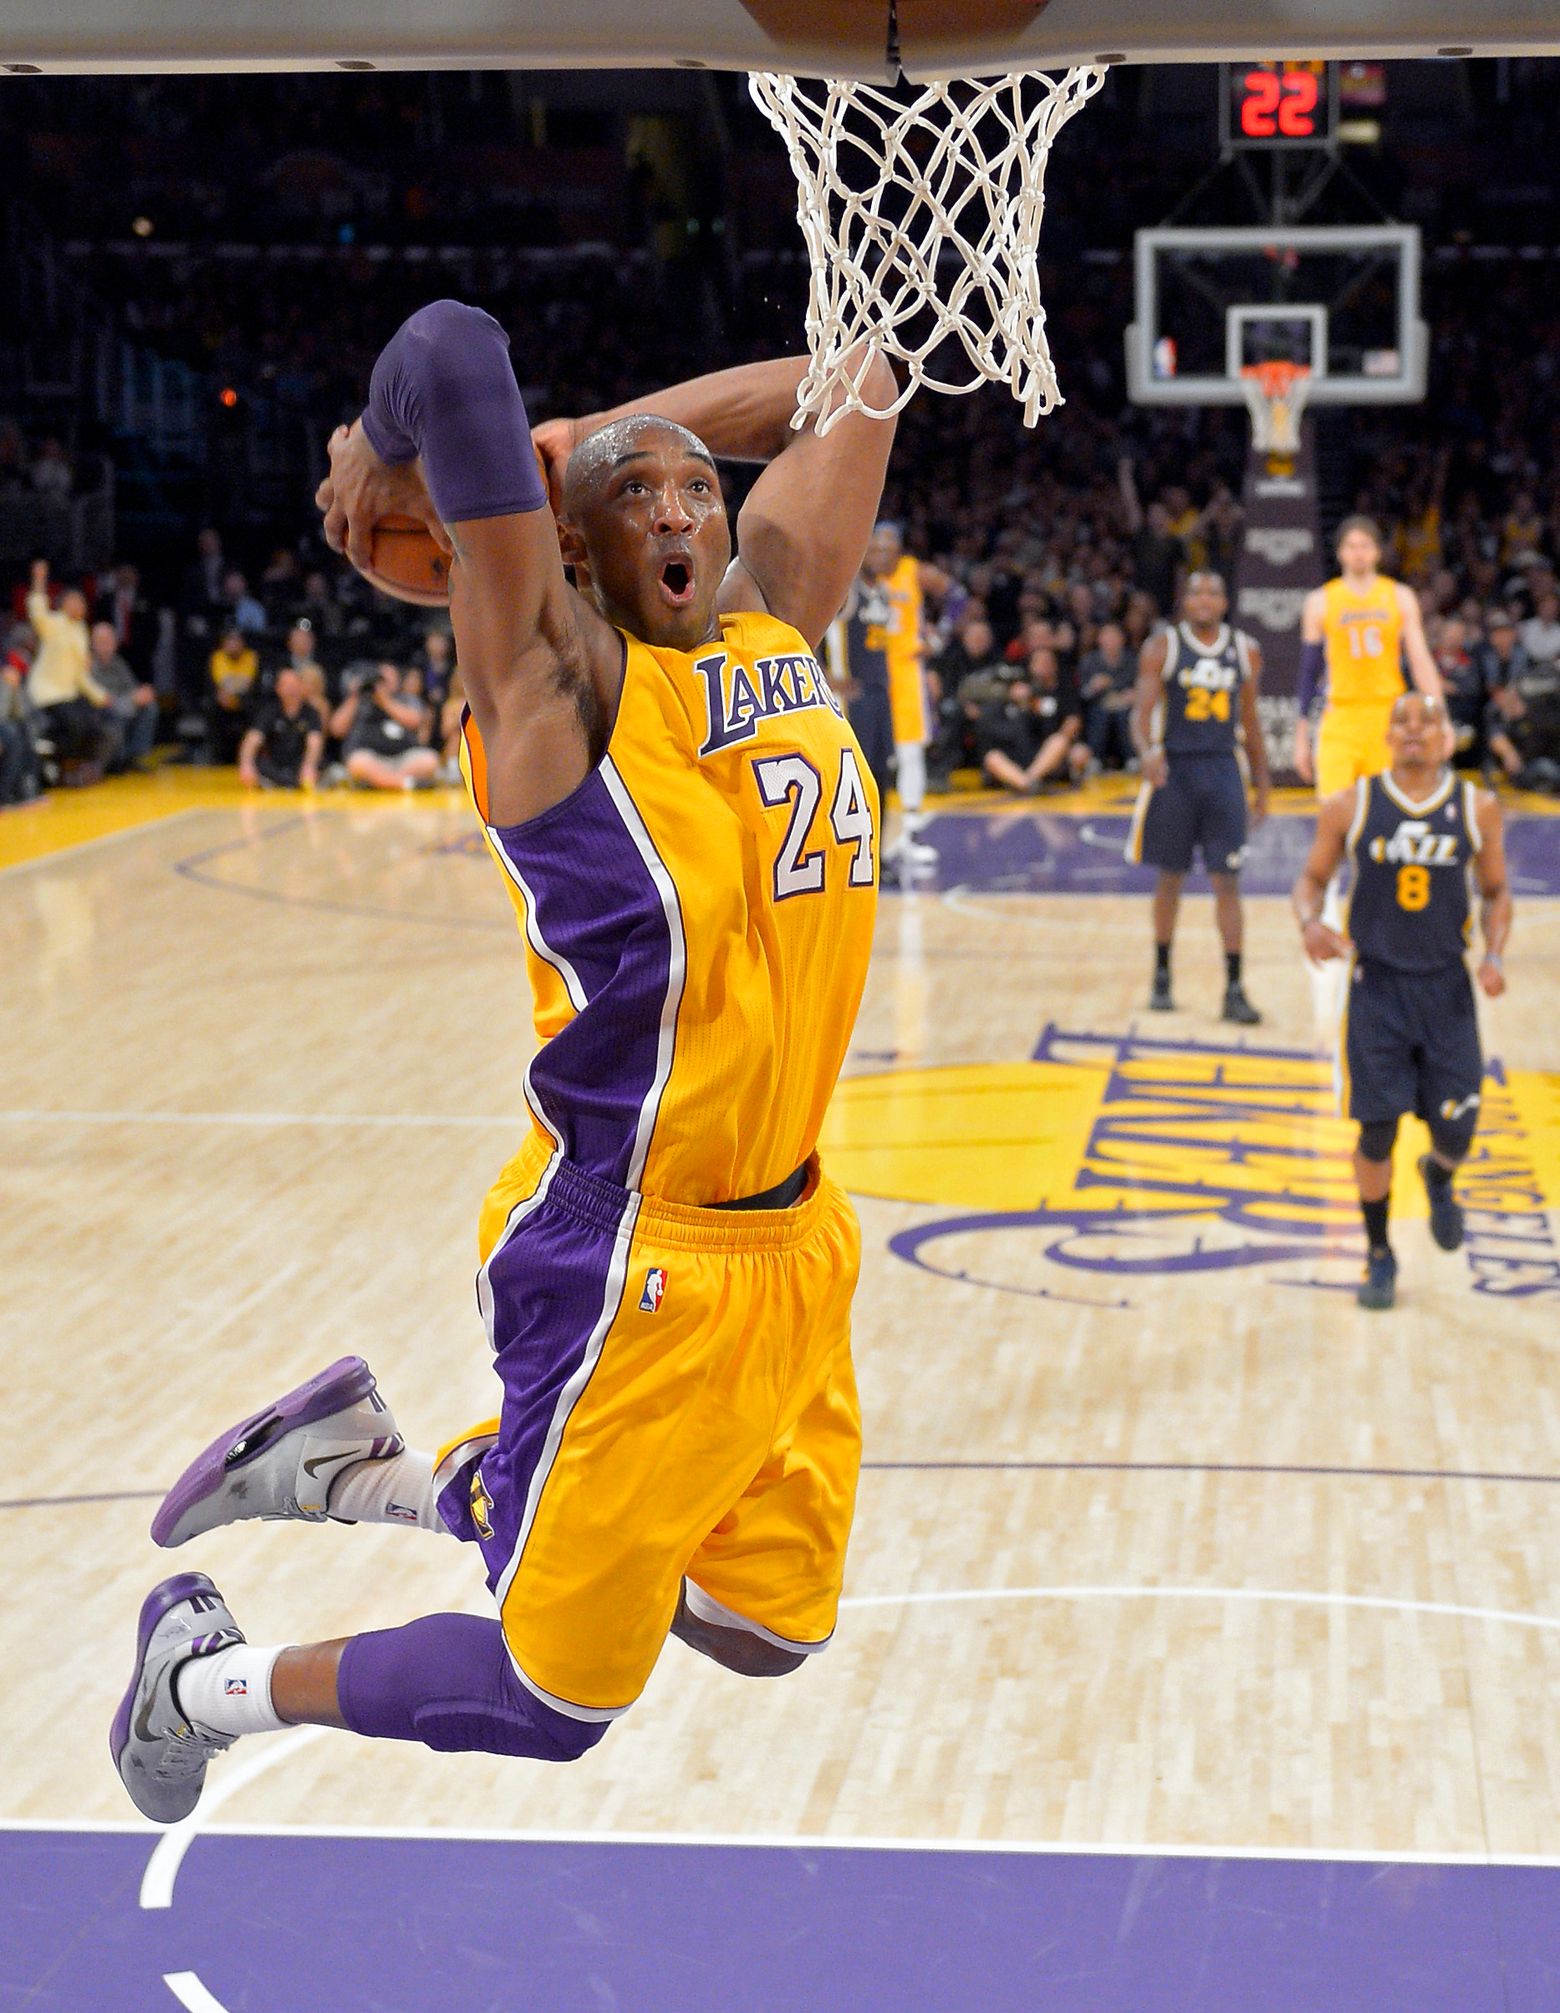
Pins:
x,y
678,1454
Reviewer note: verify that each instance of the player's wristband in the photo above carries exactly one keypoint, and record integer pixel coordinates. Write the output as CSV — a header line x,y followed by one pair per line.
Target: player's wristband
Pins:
x,y
444,389
1313,667
1494,958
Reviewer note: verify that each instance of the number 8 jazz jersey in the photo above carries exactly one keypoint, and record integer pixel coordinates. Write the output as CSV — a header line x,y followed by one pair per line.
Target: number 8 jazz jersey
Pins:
x,y
1410,907
697,918
1202,692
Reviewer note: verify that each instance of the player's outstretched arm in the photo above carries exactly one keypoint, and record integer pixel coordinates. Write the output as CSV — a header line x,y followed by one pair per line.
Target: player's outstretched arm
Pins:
x,y
445,422
1494,894
1256,745
1146,701
1333,819
1421,665
803,531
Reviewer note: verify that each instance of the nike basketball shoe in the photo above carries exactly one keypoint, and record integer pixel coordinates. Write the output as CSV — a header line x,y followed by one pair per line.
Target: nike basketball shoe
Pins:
x,y
160,1756
282,1462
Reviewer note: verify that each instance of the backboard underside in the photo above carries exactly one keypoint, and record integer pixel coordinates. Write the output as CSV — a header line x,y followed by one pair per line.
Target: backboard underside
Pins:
x,y
821,37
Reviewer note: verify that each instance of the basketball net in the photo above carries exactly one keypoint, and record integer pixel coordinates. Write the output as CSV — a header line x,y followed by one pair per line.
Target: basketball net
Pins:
x,y
1275,397
890,185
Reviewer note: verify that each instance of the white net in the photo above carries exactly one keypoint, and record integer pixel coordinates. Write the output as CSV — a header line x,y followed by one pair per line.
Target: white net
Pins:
x,y
1276,395
921,207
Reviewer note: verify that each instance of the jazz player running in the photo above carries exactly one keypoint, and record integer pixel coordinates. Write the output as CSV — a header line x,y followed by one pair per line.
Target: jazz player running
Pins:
x,y
1196,707
1355,635
1410,1039
684,822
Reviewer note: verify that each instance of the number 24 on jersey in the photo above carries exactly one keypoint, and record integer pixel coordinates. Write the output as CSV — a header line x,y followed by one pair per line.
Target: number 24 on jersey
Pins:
x,y
792,780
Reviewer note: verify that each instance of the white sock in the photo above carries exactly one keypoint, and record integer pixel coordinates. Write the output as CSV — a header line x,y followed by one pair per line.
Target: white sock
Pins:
x,y
394,1491
910,779
230,1691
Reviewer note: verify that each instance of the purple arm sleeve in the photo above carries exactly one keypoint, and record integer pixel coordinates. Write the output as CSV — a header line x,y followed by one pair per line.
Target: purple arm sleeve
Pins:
x,y
1313,668
443,388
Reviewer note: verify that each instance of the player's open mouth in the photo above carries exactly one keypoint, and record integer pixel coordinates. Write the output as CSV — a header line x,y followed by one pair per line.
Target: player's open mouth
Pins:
x,y
677,582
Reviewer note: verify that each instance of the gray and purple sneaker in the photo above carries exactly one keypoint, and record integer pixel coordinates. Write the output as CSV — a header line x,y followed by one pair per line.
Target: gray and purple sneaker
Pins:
x,y
282,1462
160,1756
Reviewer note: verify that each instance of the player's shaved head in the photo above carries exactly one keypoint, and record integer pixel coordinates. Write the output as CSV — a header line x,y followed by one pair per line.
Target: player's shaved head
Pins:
x,y
1430,701
1206,577
610,446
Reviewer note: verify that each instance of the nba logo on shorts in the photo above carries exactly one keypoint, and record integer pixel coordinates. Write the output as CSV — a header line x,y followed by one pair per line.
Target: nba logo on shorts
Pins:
x,y
235,1688
655,1287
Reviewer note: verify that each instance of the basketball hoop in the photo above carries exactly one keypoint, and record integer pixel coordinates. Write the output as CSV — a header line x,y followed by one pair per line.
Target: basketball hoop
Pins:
x,y
1275,396
888,184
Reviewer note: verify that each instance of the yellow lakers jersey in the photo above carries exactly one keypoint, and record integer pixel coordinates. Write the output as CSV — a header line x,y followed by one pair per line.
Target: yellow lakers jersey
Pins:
x,y
1362,630
697,919
905,599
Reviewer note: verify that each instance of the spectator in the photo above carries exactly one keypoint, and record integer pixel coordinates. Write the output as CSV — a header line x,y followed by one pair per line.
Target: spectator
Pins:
x,y
381,734
1467,698
284,746
73,706
243,611
1158,556
1501,656
1524,728
1540,634
132,616
204,577
131,703
1034,735
319,607
436,661
19,731
450,721
52,474
1106,679
301,656
234,668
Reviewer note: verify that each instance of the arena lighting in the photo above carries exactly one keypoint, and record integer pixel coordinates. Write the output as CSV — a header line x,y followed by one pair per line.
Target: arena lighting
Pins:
x,y
228,396
142,226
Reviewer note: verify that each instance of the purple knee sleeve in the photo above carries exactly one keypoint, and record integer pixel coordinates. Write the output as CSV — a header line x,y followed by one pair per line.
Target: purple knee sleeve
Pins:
x,y
446,1680
443,388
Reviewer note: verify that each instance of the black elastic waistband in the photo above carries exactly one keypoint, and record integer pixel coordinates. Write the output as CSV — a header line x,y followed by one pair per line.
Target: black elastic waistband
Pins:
x,y
784,1195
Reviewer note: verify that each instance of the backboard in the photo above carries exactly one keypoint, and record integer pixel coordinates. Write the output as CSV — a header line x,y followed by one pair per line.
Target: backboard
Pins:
x,y
1341,300
839,38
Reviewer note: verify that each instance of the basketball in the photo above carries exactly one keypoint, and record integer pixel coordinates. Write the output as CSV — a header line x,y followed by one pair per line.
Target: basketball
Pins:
x,y
405,560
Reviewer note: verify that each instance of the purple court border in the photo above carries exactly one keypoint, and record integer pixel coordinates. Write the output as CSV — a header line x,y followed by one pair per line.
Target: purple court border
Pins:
x,y
271,1923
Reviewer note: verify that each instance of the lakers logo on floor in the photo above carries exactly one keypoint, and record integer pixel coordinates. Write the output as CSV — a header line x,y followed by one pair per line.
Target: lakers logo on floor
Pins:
x,y
1127,1157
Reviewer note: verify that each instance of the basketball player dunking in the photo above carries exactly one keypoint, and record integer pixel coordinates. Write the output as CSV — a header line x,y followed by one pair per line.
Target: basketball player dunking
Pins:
x,y
1410,1038
685,825
1355,635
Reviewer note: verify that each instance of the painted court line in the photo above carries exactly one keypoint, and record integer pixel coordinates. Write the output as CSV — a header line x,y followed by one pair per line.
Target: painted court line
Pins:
x,y
74,846
162,1869
266,1120
190,1993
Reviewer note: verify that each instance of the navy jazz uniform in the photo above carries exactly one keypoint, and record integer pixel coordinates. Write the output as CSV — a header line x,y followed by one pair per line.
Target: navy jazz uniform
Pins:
x,y
1201,805
1411,1030
857,647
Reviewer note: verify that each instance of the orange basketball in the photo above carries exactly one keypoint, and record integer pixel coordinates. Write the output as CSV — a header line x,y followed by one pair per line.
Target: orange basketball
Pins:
x,y
405,561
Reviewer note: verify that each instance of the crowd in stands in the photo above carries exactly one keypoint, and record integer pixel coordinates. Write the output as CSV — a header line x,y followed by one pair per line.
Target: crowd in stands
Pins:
x,y
307,679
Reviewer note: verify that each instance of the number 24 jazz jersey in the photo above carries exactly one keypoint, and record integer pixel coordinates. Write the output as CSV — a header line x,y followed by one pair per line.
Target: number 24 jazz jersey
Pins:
x,y
698,918
1203,683
1411,907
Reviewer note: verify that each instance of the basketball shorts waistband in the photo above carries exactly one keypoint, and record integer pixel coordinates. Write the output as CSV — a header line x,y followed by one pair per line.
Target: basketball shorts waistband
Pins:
x,y
748,1225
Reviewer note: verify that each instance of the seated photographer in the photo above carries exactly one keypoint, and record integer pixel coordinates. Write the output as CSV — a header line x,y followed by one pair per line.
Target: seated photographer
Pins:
x,y
1035,735
381,730
283,746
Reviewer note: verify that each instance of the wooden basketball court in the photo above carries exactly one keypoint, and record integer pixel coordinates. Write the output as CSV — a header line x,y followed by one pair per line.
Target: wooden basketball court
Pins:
x,y
1163,1545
